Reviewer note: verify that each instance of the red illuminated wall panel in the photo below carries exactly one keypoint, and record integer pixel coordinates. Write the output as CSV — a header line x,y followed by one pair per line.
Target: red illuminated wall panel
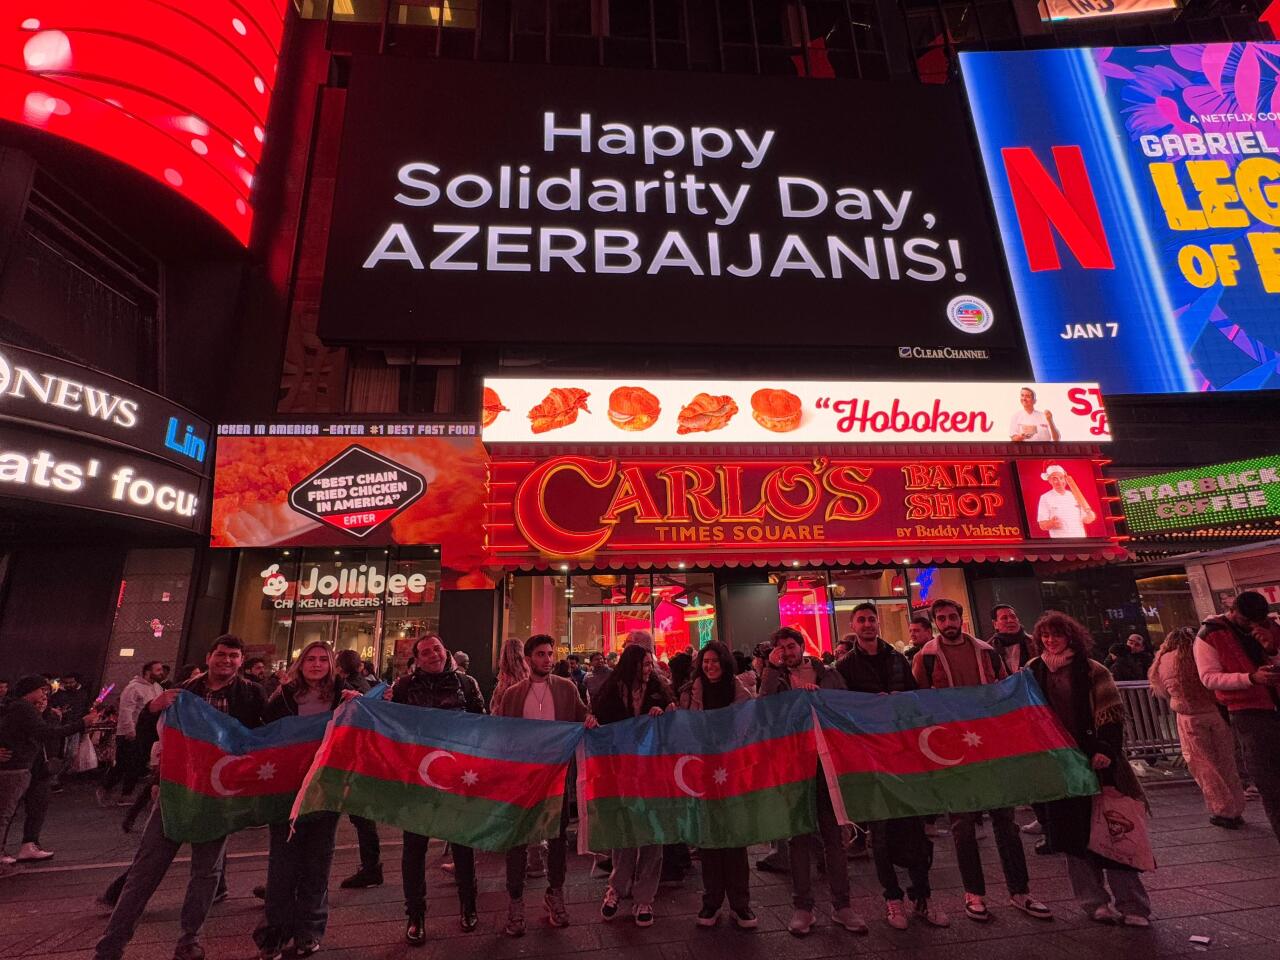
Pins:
x,y
178,90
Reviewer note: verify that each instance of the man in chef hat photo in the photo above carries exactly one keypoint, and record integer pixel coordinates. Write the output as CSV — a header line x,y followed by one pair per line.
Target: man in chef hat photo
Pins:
x,y
1063,512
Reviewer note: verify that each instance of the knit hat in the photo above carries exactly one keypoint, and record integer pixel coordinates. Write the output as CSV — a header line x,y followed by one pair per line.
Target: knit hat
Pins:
x,y
28,684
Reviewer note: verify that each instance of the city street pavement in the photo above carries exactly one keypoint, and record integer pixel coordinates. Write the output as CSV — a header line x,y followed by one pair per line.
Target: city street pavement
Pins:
x,y
1211,882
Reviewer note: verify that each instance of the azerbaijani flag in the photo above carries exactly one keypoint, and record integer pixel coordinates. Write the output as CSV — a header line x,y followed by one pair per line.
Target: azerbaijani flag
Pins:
x,y
717,778
933,751
486,782
217,776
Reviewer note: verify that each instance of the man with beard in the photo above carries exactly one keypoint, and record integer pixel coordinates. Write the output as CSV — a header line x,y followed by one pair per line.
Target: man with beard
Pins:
x,y
955,659
435,683
542,696
875,667
787,668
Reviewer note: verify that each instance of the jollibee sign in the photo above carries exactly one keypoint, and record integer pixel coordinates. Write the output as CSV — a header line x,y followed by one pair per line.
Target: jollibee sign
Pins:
x,y
581,506
590,411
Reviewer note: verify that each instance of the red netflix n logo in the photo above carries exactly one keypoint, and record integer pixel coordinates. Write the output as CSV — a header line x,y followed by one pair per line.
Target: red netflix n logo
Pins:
x,y
1042,206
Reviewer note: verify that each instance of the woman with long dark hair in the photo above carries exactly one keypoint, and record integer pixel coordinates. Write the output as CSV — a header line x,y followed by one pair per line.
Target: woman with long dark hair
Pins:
x,y
297,906
632,690
713,686
1085,698
1206,739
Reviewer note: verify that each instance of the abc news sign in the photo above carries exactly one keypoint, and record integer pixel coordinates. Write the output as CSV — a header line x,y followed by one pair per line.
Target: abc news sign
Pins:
x,y
77,437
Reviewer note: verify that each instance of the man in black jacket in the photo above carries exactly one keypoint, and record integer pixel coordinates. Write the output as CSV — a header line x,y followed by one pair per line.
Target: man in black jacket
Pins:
x,y
435,683
224,689
875,667
24,736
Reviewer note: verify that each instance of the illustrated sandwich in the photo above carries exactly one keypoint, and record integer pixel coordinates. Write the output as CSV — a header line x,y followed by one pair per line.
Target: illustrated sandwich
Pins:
x,y
776,410
559,409
490,407
704,413
633,408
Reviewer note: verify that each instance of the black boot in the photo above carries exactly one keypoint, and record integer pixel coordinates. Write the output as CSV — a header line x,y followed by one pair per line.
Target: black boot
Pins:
x,y
415,933
363,878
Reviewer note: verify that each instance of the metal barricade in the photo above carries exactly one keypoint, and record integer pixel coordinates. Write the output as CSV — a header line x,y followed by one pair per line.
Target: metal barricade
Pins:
x,y
1150,727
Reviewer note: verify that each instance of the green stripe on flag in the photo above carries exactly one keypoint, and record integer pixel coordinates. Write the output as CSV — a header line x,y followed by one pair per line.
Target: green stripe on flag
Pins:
x,y
191,817
989,785
470,821
788,810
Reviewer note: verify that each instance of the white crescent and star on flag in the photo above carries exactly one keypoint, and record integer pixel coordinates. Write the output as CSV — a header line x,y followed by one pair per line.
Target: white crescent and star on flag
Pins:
x,y
720,776
469,778
970,738
263,772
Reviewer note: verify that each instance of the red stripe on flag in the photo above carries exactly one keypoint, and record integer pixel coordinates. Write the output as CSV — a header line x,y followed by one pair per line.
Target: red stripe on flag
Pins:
x,y
712,776
202,767
1031,729
372,754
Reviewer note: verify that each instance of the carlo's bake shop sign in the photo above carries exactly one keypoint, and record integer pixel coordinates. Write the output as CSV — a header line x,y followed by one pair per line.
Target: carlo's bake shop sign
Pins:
x,y
567,410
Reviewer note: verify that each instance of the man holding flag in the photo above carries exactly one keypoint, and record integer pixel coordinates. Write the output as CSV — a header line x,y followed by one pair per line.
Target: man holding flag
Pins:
x,y
875,667
789,669
541,696
955,659
222,687
435,683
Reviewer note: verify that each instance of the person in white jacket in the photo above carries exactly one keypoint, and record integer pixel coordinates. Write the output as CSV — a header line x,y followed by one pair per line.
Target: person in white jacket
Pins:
x,y
131,754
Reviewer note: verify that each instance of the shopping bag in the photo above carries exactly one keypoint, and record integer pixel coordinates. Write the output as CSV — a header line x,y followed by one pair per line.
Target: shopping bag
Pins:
x,y
81,757
1119,830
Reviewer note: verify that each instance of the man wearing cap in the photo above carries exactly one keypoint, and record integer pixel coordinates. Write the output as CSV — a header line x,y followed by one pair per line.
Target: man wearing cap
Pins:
x,y
1063,510
1238,658
1029,424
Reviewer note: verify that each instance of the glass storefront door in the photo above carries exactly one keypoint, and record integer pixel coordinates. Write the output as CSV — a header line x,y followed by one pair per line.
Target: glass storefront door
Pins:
x,y
603,628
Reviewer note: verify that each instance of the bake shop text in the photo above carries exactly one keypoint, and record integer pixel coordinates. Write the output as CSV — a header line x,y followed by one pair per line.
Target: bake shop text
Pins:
x,y
708,172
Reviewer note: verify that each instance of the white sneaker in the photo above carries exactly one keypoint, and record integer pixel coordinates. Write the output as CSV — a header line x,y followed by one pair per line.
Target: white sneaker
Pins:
x,y
6,860
1104,914
849,920
30,851
1034,828
1134,920
801,922
926,911
895,914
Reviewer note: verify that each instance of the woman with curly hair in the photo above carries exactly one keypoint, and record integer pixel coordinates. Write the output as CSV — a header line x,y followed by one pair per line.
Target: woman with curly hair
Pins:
x,y
1085,698
1206,739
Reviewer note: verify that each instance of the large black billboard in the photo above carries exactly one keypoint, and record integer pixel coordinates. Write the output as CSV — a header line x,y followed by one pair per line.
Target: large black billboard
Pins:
x,y
486,202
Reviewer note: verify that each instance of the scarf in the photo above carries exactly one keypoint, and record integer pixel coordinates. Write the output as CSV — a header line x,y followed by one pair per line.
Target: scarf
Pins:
x,y
1056,662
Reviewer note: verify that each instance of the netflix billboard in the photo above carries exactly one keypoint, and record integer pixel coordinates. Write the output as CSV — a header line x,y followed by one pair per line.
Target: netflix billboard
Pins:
x,y
1138,194
537,204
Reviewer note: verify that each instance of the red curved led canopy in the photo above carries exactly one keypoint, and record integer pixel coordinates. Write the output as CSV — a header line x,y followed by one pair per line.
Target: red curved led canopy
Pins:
x,y
178,90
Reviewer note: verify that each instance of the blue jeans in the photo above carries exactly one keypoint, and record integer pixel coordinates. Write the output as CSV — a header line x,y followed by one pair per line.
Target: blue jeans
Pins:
x,y
150,864
297,905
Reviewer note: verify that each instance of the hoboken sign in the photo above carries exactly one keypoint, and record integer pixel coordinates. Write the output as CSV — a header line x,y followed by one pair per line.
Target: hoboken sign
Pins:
x,y
576,506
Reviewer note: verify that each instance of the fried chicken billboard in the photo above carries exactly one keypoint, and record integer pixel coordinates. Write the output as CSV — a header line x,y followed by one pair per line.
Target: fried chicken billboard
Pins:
x,y
584,411
516,203
354,485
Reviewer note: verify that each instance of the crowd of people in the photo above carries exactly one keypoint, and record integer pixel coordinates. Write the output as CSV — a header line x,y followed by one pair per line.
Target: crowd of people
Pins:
x,y
1221,681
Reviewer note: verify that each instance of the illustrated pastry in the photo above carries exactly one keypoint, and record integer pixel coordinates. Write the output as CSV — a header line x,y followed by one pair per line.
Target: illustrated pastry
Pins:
x,y
633,408
705,412
490,407
559,409
776,410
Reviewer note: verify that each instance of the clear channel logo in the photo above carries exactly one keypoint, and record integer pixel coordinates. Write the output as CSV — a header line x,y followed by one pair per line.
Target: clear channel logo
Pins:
x,y
970,314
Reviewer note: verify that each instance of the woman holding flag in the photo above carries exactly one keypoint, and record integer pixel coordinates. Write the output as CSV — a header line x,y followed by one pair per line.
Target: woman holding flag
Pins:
x,y
632,690
724,871
1085,698
301,854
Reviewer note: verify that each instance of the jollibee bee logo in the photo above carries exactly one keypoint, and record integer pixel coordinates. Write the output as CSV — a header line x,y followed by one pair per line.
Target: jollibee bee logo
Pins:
x,y
970,314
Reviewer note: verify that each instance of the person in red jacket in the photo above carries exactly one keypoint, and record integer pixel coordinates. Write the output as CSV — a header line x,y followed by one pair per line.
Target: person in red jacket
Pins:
x,y
1238,658
955,659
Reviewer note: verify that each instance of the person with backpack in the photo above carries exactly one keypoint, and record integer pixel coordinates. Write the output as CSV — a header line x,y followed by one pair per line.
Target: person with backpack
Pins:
x,y
955,659
1238,658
